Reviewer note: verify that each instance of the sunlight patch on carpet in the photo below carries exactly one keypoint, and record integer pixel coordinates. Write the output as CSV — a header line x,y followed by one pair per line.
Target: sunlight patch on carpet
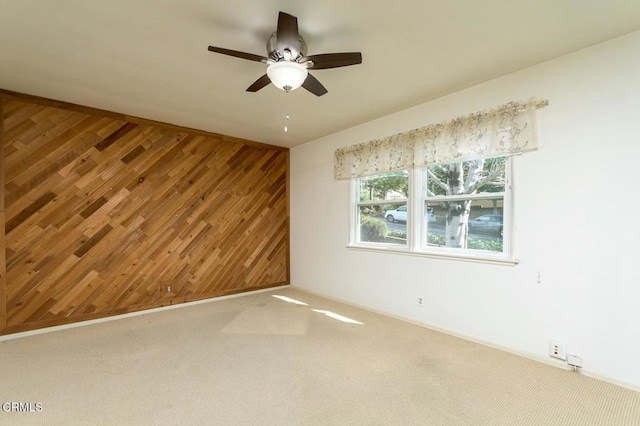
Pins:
x,y
289,300
337,316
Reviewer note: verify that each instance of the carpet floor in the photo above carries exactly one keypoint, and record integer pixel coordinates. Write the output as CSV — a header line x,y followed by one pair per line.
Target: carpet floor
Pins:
x,y
286,357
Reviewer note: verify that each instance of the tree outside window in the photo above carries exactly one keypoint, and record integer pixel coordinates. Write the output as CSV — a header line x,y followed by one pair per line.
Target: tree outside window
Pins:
x,y
469,197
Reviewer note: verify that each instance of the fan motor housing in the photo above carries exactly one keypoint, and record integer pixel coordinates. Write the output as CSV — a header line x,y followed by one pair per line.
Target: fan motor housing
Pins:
x,y
272,48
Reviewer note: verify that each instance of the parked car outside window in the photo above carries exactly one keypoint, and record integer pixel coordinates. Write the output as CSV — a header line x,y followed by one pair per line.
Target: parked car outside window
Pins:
x,y
489,223
400,214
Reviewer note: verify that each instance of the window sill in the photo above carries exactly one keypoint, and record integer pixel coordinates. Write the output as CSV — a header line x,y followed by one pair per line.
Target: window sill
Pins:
x,y
467,257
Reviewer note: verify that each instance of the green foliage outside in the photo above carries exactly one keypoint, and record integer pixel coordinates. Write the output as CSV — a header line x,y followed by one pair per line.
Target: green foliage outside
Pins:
x,y
487,245
472,243
376,188
397,234
435,239
432,238
372,229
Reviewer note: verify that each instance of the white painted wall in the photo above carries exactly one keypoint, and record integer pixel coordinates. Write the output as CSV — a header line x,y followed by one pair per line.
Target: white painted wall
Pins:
x,y
577,208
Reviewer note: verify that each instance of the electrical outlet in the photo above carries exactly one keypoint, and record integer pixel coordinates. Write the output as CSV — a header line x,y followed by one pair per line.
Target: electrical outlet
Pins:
x,y
558,349
420,301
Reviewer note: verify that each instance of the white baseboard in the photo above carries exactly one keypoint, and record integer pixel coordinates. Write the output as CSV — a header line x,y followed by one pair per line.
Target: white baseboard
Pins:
x,y
133,314
534,357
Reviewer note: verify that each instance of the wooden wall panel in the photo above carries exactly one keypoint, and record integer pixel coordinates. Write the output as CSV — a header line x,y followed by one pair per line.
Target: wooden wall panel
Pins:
x,y
3,264
106,216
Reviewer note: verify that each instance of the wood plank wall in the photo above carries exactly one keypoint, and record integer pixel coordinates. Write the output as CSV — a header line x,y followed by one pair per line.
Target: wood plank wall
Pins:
x,y
104,214
3,263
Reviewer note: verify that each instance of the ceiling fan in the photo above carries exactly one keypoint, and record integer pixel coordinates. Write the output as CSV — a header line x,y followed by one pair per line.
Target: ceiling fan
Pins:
x,y
287,60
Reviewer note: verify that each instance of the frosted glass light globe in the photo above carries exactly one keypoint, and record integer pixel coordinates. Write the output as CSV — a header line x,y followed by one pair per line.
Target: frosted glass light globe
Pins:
x,y
287,75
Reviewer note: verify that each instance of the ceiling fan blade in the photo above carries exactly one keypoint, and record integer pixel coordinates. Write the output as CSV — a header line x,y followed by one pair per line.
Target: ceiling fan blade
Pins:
x,y
259,84
314,86
237,54
287,35
333,60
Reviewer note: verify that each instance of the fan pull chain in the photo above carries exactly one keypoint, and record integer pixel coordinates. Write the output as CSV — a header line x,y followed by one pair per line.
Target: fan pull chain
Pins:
x,y
286,122
287,116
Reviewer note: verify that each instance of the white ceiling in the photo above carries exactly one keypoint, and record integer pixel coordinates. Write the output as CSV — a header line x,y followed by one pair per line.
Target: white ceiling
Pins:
x,y
149,58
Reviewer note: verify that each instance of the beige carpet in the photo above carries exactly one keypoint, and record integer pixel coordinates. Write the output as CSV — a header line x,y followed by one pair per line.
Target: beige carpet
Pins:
x,y
261,360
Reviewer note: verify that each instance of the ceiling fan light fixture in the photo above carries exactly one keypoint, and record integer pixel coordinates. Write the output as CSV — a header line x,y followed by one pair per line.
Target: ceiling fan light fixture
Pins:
x,y
288,61
287,75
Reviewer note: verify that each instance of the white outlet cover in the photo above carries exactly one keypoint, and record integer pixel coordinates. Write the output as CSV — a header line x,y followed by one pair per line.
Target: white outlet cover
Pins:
x,y
558,349
574,360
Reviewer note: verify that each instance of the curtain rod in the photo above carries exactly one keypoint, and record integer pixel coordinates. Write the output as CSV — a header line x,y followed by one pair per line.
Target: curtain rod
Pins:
x,y
542,104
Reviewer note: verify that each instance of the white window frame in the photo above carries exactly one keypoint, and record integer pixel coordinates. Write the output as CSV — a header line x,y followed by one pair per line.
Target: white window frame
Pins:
x,y
355,216
416,229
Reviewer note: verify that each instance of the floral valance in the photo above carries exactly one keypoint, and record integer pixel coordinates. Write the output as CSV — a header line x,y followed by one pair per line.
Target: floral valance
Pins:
x,y
507,130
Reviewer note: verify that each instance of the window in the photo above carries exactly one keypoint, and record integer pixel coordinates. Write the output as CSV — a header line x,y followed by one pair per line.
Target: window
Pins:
x,y
452,195
457,209
468,200
381,209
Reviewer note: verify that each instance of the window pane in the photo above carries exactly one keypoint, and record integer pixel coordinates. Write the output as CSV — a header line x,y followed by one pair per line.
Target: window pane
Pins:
x,y
461,178
466,224
383,223
390,186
